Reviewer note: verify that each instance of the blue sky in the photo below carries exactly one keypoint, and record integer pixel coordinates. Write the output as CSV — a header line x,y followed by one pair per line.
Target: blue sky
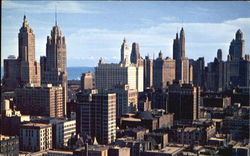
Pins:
x,y
96,29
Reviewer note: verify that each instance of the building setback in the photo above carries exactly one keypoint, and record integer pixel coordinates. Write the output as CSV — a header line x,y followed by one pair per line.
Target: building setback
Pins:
x,y
53,65
46,100
23,70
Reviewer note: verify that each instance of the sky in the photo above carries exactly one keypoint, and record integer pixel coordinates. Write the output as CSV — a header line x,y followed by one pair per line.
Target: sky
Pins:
x,y
95,29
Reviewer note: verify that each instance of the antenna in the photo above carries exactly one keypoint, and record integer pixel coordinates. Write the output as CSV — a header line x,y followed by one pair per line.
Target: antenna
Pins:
x,y
182,22
55,15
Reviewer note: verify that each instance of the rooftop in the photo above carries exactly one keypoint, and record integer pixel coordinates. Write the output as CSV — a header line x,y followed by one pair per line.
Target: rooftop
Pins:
x,y
168,150
39,125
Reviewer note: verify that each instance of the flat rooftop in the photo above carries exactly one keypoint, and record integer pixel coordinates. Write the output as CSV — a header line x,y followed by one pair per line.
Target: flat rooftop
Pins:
x,y
39,125
167,150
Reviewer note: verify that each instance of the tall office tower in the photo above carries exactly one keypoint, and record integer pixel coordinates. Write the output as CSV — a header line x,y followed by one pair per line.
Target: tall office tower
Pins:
x,y
219,54
96,116
163,71
182,63
109,75
135,53
184,101
236,49
87,81
53,65
125,52
35,137
215,75
148,72
46,100
126,99
179,46
182,44
23,70
199,72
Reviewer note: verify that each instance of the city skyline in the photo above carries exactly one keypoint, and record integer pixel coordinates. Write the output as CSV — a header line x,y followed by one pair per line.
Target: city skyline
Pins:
x,y
91,34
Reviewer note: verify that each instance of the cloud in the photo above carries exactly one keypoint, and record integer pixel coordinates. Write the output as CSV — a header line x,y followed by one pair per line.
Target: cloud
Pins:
x,y
168,18
202,39
86,45
62,7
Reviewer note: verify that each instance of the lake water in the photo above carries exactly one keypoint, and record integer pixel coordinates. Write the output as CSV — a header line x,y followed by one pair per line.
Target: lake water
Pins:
x,y
74,73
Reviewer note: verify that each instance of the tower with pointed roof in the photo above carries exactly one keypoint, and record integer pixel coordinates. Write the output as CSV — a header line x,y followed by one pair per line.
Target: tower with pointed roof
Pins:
x,y
54,64
135,53
179,55
236,49
25,69
125,52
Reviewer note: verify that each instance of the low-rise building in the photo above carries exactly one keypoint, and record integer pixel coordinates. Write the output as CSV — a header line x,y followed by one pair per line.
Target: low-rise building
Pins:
x,y
9,145
62,132
35,137
167,151
157,139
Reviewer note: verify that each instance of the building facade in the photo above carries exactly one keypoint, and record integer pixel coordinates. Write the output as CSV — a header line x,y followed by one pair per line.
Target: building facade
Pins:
x,y
46,100
87,81
184,101
163,71
96,117
35,137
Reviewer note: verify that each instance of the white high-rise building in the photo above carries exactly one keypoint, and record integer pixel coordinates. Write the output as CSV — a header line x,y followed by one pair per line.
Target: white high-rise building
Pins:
x,y
107,76
125,52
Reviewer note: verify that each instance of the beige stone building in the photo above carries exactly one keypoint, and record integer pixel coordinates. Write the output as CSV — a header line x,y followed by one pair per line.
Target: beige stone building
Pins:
x,y
87,81
46,100
23,70
109,75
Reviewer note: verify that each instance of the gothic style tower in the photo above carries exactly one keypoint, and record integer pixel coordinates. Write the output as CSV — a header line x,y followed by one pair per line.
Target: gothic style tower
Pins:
x,y
125,52
182,63
53,66
182,43
26,42
135,54
236,49
30,69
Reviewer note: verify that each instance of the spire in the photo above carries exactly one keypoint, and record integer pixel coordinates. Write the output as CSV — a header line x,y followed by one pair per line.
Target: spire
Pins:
x,y
55,16
124,40
25,23
182,31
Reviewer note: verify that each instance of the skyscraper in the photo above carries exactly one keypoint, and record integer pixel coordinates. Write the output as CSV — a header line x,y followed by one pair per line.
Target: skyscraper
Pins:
x,y
46,100
23,70
135,53
109,75
125,52
96,117
236,49
163,71
184,101
219,54
53,65
182,62
148,72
